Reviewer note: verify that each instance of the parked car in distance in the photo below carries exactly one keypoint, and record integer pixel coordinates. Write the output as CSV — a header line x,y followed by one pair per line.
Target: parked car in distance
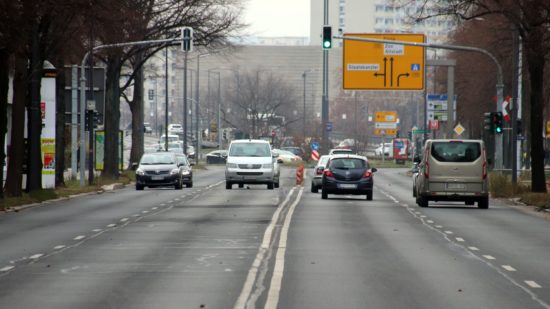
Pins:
x,y
297,151
284,156
163,169
316,180
175,128
216,157
386,149
452,170
251,162
147,128
172,138
347,174
335,151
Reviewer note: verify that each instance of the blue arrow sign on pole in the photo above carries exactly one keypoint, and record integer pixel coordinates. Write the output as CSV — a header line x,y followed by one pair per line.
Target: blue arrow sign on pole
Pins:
x,y
315,146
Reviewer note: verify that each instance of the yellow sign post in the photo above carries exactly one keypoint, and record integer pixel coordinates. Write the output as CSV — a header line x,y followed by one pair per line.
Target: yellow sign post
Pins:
x,y
385,123
384,66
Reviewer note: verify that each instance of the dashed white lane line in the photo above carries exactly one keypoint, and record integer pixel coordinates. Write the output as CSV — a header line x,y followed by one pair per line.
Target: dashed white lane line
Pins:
x,y
154,208
7,268
162,204
36,256
136,215
508,268
123,219
59,247
459,239
430,221
533,284
111,225
439,226
145,212
473,248
489,257
97,230
79,237
449,232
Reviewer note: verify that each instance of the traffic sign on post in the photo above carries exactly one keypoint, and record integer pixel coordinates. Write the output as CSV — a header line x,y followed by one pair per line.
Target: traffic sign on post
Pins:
x,y
187,39
384,66
329,126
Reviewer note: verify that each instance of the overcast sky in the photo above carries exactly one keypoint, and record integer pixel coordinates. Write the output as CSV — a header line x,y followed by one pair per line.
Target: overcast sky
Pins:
x,y
278,17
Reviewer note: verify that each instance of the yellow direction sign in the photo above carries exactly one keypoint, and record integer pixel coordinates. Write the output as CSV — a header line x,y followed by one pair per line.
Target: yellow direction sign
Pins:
x,y
384,66
386,132
385,117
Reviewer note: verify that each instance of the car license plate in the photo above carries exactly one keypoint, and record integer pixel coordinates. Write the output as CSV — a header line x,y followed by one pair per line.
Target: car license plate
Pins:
x,y
157,177
455,186
347,186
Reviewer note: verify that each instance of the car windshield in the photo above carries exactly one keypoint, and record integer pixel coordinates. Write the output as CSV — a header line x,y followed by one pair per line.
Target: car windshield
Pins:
x,y
250,150
157,159
456,151
348,164
294,150
323,160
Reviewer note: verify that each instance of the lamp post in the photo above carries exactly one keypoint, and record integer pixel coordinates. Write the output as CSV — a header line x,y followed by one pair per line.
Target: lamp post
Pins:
x,y
218,112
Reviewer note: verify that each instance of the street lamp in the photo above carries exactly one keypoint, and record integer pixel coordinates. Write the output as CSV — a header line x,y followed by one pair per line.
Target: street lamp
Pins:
x,y
219,104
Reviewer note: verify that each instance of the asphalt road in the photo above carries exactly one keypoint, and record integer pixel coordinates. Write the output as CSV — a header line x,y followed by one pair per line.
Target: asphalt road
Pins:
x,y
207,247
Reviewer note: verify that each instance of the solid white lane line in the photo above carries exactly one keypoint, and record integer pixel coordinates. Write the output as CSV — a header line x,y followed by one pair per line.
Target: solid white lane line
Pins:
x,y
6,268
278,270
508,268
489,257
111,225
533,284
79,237
459,239
59,247
264,246
473,248
36,256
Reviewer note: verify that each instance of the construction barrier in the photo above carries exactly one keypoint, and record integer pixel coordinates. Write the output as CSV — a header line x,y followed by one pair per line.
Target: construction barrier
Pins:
x,y
300,174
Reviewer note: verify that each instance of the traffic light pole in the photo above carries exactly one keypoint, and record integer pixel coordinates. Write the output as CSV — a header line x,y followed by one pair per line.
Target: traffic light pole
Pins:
x,y
324,106
499,85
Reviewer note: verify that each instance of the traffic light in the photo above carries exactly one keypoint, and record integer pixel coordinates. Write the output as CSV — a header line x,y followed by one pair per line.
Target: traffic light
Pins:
x,y
497,122
224,134
488,122
327,37
187,39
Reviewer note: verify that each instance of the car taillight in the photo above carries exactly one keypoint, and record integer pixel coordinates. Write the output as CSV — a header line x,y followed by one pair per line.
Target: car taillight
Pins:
x,y
367,174
328,173
426,169
484,165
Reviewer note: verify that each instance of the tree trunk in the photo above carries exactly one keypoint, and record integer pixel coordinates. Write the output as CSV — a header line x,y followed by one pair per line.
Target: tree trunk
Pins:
x,y
16,150
136,106
536,61
112,118
4,85
34,123
60,126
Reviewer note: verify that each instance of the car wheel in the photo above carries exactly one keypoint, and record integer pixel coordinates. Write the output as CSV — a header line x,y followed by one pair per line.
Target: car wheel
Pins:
x,y
139,187
483,203
422,201
276,184
179,185
270,186
189,185
314,188
228,185
241,185
324,195
369,195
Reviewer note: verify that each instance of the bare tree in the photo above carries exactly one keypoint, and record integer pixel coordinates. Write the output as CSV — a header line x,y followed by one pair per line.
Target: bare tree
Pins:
x,y
530,20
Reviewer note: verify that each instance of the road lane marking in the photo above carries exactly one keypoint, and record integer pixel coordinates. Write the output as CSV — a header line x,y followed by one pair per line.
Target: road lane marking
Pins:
x,y
430,221
508,268
489,257
264,246
97,230
7,268
473,248
439,226
79,237
145,212
459,239
449,232
36,256
533,284
154,208
111,225
278,269
59,247
123,219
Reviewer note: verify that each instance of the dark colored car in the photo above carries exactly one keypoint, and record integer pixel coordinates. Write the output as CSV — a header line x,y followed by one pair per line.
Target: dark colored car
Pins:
x,y
297,151
216,157
347,174
163,169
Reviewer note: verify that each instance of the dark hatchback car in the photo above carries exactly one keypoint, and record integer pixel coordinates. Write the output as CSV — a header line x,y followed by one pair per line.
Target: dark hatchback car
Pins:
x,y
348,174
163,169
216,157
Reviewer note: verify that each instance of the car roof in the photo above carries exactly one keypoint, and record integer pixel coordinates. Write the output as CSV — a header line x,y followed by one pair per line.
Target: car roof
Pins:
x,y
345,156
250,141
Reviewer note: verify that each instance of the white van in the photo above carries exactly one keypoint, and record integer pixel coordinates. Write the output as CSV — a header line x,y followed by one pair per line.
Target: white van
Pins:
x,y
452,170
251,162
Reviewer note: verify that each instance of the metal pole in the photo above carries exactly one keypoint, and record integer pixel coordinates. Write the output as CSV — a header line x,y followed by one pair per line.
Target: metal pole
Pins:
x,y
324,107
166,99
74,121
304,75
185,103
198,133
514,110
450,100
219,111
90,120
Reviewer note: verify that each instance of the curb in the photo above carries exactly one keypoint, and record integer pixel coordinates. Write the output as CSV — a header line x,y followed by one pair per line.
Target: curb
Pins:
x,y
105,188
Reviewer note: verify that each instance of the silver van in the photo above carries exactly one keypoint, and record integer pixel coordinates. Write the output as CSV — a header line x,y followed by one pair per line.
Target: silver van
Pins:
x,y
251,162
452,170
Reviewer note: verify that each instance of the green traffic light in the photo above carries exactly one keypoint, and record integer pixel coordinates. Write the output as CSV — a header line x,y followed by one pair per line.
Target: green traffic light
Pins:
x,y
498,130
326,44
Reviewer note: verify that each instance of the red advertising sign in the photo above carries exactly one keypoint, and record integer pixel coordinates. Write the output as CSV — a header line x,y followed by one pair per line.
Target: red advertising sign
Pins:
x,y
433,124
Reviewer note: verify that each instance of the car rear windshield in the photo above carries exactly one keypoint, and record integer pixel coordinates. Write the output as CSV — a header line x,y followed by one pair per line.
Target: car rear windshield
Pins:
x,y
157,159
250,150
456,151
348,163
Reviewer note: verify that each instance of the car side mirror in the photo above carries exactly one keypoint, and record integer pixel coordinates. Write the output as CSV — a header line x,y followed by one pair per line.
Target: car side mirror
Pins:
x,y
374,169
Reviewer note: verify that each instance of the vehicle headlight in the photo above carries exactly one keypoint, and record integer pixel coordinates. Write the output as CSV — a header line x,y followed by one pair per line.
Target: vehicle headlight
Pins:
x,y
267,165
185,172
231,165
174,171
140,172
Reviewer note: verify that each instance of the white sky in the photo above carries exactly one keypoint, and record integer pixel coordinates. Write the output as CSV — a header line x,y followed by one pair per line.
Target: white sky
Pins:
x,y
277,17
